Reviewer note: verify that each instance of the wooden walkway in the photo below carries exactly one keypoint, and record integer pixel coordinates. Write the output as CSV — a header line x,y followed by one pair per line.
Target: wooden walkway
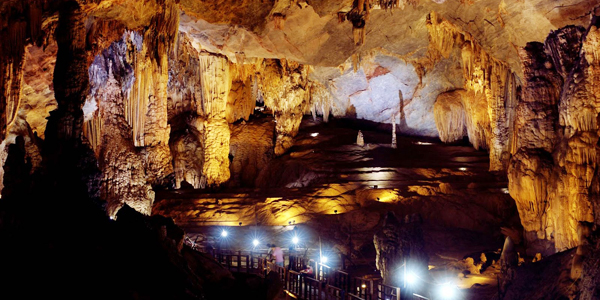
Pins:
x,y
325,283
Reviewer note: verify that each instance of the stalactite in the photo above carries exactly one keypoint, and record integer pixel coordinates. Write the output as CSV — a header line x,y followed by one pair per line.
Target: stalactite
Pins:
x,y
12,54
483,75
92,129
449,114
321,100
355,62
278,20
359,34
359,16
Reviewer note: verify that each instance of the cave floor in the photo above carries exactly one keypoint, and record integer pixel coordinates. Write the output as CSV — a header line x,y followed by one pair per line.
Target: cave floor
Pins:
x,y
335,193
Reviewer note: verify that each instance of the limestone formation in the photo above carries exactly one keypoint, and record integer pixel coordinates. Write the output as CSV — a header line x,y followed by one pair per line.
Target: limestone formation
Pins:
x,y
400,243
584,232
360,140
487,79
450,116
105,102
250,149
552,169
284,85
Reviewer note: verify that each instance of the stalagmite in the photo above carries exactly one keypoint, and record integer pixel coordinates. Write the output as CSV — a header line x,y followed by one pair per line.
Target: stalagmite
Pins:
x,y
394,142
216,83
126,112
400,243
124,176
360,140
584,231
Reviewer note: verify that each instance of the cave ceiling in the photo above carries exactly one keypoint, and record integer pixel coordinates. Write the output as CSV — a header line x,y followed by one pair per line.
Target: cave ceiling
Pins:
x,y
312,33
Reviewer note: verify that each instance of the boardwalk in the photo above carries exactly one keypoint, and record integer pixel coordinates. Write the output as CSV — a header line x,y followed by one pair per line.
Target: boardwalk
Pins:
x,y
325,283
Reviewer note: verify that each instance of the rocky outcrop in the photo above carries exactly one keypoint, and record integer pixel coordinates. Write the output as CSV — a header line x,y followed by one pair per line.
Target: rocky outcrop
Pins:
x,y
126,113
207,92
554,162
284,85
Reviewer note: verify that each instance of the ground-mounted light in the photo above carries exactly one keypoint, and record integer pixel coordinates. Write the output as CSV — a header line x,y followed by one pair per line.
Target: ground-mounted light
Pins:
x,y
314,134
295,240
255,242
224,233
462,169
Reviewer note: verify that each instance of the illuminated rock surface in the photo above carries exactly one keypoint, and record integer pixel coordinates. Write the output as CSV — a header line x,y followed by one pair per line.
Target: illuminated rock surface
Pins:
x,y
221,112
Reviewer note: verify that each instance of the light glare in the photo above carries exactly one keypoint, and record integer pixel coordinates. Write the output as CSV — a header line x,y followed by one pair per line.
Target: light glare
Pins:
x,y
295,240
224,233
411,278
314,134
447,291
255,242
324,259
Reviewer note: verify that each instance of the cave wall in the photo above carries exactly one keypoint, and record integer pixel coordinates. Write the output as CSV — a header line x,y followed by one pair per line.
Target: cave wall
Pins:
x,y
552,170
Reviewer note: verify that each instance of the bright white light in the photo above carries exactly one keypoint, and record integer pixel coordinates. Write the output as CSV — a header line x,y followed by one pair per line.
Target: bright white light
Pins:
x,y
447,291
295,240
364,286
411,278
324,259
505,190
462,169
255,242
314,134
224,233
424,143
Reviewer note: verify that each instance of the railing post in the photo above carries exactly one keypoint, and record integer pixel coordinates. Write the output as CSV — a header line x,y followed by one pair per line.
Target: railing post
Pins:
x,y
397,293
374,288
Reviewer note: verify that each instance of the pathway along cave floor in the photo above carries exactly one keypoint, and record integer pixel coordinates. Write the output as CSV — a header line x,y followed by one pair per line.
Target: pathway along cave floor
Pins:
x,y
336,194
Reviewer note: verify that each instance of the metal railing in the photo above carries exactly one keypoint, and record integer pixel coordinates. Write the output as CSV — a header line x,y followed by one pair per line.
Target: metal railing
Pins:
x,y
325,283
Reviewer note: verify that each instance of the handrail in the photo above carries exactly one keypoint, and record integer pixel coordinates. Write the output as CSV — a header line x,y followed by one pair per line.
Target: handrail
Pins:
x,y
325,283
